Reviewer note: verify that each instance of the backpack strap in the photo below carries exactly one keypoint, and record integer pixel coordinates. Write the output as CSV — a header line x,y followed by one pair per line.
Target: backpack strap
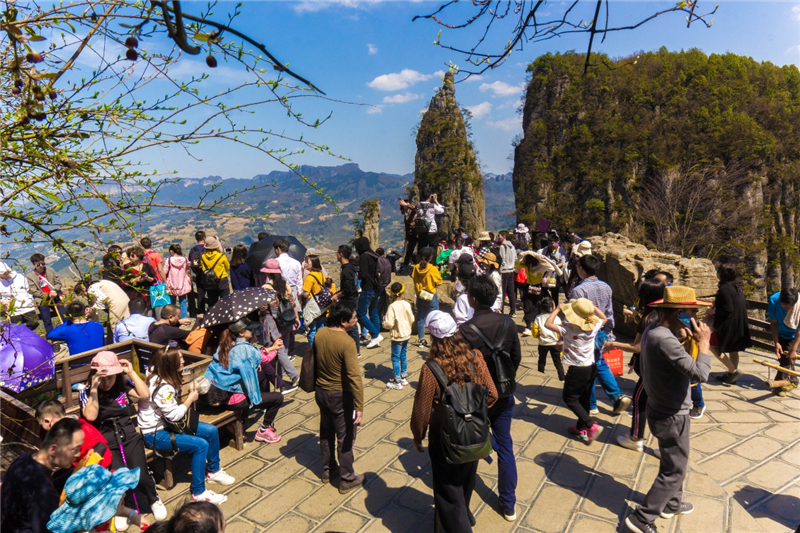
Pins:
x,y
485,340
212,266
438,373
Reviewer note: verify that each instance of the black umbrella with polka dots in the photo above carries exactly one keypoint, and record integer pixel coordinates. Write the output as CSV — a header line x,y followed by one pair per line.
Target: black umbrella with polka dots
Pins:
x,y
238,305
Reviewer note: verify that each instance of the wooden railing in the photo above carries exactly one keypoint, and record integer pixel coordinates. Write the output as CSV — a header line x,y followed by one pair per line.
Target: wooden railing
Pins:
x,y
760,333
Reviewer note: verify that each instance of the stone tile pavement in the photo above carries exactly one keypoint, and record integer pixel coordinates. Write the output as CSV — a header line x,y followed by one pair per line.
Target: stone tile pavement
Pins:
x,y
744,475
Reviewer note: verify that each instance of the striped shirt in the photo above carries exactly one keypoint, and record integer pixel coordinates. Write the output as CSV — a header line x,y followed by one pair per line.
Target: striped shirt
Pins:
x,y
599,293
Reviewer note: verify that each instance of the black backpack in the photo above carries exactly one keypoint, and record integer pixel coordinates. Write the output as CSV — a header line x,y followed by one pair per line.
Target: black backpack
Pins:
x,y
461,418
195,257
383,270
504,374
285,315
210,281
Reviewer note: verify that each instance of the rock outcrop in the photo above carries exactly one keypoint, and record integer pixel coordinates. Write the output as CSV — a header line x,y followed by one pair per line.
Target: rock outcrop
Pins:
x,y
372,219
624,262
445,164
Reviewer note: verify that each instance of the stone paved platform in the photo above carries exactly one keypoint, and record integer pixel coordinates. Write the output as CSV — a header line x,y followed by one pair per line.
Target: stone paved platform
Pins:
x,y
744,475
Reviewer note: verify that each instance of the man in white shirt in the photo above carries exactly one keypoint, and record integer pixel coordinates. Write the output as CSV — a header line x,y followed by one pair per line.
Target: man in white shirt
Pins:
x,y
137,325
291,269
15,287
428,210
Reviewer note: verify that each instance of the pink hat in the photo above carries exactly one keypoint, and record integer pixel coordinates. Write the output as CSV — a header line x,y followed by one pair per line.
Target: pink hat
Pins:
x,y
272,266
106,363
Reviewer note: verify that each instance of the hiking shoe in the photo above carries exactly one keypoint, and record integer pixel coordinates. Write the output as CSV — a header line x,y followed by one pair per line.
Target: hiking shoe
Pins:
x,y
329,474
526,332
403,381
697,411
210,496
267,435
291,386
392,384
594,412
423,343
637,525
626,441
374,343
159,510
789,388
593,432
733,376
683,508
510,515
574,430
220,477
347,486
622,403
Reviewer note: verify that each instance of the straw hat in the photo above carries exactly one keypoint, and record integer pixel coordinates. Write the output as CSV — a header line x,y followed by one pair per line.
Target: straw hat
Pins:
x,y
582,248
484,236
212,243
678,297
580,313
489,258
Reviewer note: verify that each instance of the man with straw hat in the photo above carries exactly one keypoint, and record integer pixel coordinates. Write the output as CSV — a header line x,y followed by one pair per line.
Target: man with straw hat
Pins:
x,y
667,371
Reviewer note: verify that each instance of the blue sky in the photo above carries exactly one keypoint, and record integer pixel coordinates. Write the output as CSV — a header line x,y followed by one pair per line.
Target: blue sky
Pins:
x,y
370,52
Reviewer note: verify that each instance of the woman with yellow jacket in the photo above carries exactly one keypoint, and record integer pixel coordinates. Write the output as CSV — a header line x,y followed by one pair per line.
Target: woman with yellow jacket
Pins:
x,y
426,279
214,260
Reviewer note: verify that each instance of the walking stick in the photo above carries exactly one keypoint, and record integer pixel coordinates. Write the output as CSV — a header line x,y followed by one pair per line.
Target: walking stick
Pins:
x,y
58,314
772,384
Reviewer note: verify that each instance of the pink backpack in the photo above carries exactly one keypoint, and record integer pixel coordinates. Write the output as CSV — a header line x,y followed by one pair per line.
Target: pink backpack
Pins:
x,y
178,280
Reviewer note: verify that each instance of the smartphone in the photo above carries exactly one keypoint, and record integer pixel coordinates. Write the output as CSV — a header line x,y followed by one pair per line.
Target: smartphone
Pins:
x,y
686,318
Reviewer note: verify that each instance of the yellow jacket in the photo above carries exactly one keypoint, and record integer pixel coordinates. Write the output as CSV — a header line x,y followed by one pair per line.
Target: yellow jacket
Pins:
x,y
221,268
426,280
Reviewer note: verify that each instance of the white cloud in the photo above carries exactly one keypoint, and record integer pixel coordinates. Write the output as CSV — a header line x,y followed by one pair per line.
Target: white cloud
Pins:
x,y
796,12
397,81
793,50
375,110
473,78
401,98
501,88
372,49
423,110
480,110
508,124
311,6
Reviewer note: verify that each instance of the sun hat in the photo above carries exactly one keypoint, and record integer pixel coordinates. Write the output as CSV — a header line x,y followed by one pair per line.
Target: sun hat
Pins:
x,y
489,258
580,313
441,324
239,326
272,266
107,363
93,494
582,248
522,228
678,297
312,251
484,236
212,243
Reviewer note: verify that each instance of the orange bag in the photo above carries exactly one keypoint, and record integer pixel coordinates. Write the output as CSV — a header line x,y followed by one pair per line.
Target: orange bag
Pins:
x,y
614,360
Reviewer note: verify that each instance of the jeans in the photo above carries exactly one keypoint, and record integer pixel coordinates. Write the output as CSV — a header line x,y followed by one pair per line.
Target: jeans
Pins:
x,y
423,308
367,312
47,316
500,423
607,381
203,447
184,306
399,361
315,326
697,394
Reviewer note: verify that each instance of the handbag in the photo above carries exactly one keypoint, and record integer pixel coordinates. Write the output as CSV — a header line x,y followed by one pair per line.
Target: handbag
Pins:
x,y
187,425
308,371
311,311
159,296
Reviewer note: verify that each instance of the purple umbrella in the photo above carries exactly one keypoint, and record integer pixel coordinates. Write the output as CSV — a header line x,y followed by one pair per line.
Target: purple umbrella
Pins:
x,y
26,359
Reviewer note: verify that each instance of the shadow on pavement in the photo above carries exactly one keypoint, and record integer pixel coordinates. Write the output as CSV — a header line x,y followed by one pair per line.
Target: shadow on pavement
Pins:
x,y
782,508
380,497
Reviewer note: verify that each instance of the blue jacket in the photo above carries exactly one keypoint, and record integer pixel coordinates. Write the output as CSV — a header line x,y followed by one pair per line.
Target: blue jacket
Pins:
x,y
241,375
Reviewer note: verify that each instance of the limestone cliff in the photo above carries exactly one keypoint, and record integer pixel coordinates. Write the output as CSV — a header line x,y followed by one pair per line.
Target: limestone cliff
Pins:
x,y
445,164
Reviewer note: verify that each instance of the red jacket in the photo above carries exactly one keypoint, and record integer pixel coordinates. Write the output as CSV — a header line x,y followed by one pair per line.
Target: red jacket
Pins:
x,y
93,439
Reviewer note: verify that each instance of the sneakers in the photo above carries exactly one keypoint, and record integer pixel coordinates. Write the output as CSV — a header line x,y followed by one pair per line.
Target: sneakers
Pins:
x,y
365,339
210,496
220,477
291,387
374,343
526,332
511,515
732,377
622,403
159,510
637,525
329,474
423,343
347,486
697,411
267,435
594,412
392,384
593,432
513,315
684,508
626,441
403,381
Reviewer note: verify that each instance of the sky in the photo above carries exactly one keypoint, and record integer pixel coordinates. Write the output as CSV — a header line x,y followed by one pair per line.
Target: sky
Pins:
x,y
379,70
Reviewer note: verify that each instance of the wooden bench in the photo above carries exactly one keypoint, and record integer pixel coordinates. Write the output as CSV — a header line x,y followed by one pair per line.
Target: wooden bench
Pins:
x,y
18,422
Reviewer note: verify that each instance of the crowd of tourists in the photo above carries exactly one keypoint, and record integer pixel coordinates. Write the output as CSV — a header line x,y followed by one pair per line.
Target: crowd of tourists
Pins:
x,y
464,400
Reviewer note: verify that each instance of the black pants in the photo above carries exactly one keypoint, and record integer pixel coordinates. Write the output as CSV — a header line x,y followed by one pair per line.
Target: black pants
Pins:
x,y
29,319
428,239
639,422
555,355
452,488
336,413
551,292
577,391
667,490
270,402
508,289
133,446
411,243
213,296
530,304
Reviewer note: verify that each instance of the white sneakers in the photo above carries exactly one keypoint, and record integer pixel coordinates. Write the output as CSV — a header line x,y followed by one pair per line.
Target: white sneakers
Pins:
x,y
375,342
159,511
210,496
526,332
220,477
627,442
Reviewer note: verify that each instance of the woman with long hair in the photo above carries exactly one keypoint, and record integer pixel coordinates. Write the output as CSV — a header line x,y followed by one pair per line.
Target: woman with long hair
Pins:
x,y
731,334
175,273
164,404
275,324
240,377
312,285
242,275
452,483
107,403
650,290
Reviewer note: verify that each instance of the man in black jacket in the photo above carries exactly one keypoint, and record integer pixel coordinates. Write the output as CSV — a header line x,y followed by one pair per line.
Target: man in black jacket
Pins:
x,y
481,294
367,309
348,286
